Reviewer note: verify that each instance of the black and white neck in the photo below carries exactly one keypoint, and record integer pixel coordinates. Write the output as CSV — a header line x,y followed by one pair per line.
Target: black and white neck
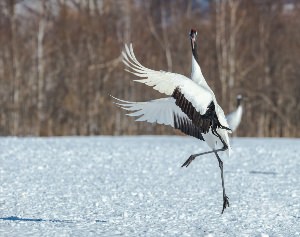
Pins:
x,y
196,74
239,100
193,35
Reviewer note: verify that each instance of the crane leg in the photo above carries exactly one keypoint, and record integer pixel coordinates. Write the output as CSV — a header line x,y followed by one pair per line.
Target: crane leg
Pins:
x,y
192,157
225,147
225,198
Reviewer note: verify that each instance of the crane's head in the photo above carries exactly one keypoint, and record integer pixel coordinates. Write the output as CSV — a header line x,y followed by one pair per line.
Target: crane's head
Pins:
x,y
239,99
193,35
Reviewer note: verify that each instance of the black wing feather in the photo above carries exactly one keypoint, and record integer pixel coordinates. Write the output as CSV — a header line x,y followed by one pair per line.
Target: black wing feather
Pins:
x,y
199,122
187,127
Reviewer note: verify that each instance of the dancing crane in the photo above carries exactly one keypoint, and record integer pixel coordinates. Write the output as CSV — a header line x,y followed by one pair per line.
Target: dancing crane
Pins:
x,y
191,106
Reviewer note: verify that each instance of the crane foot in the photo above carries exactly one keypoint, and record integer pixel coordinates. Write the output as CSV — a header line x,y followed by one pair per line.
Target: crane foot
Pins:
x,y
225,203
188,161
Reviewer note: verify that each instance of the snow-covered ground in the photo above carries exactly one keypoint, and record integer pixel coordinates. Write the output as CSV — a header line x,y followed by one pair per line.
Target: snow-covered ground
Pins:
x,y
134,186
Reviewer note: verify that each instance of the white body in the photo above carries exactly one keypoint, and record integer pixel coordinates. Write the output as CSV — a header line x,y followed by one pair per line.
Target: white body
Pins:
x,y
234,118
212,141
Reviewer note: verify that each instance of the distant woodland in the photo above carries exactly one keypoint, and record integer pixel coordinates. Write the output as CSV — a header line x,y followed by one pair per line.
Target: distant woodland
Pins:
x,y
60,61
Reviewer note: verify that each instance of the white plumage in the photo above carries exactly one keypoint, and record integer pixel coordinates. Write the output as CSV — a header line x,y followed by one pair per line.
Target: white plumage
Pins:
x,y
234,118
197,75
191,106
167,82
159,111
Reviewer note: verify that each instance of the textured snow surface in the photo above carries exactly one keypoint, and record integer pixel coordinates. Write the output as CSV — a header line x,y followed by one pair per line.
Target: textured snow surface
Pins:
x,y
134,186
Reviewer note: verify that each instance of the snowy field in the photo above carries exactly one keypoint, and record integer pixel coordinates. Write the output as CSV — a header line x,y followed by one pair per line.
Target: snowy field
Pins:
x,y
134,186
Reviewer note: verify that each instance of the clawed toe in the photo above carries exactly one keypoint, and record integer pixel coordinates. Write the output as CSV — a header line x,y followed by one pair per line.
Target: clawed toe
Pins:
x,y
225,203
188,161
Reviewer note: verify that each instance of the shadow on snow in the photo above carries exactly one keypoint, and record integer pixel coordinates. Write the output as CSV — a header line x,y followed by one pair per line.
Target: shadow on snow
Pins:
x,y
263,172
15,218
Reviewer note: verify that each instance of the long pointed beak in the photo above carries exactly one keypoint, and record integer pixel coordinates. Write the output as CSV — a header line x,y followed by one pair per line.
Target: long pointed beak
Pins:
x,y
193,42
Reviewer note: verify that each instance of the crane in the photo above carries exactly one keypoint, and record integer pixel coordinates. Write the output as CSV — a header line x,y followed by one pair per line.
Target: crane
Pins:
x,y
191,105
234,118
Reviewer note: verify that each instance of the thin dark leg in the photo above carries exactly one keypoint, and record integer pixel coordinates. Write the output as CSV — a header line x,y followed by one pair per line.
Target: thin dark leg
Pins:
x,y
223,127
225,147
225,198
192,157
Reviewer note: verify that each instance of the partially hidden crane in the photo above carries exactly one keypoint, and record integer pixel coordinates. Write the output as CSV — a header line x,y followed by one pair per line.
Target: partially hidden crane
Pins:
x,y
234,118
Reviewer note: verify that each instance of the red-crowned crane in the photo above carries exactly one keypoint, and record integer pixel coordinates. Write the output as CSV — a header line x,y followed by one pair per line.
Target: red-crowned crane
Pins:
x,y
191,106
234,118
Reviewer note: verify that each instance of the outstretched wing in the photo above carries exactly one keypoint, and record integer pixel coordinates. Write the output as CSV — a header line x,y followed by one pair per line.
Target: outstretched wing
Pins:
x,y
161,111
167,82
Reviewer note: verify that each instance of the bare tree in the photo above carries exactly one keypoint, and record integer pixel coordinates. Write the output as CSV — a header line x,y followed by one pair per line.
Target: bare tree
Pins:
x,y
59,62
